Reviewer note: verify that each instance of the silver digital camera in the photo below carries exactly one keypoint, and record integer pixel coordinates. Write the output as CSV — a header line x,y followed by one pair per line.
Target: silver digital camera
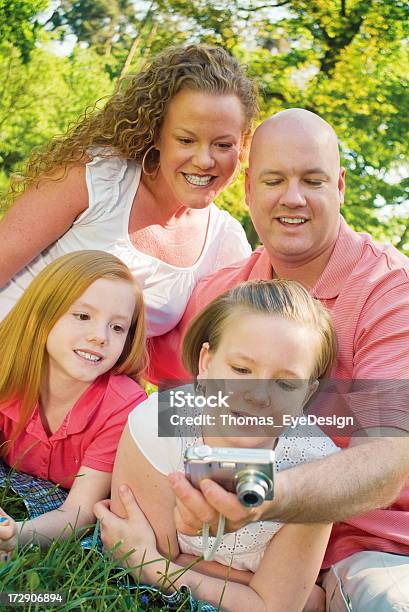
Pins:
x,y
247,472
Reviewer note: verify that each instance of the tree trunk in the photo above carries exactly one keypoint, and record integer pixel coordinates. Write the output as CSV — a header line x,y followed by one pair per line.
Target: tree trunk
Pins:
x,y
134,46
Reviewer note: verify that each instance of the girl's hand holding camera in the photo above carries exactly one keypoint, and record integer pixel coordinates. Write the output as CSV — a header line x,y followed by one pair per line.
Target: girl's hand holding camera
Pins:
x,y
8,535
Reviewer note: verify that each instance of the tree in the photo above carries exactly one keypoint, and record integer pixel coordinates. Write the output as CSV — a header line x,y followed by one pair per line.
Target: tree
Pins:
x,y
122,30
348,62
96,22
39,99
343,59
18,25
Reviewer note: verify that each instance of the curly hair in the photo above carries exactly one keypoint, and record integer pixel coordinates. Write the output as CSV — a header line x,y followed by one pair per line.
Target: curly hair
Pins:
x,y
131,120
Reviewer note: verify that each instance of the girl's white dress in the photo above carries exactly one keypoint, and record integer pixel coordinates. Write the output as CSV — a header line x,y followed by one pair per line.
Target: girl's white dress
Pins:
x,y
243,549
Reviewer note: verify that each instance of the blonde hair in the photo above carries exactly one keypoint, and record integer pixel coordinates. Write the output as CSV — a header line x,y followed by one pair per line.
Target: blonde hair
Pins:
x,y
24,332
130,123
283,298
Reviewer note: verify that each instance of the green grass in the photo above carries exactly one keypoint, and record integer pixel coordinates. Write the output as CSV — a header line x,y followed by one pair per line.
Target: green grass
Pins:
x,y
88,580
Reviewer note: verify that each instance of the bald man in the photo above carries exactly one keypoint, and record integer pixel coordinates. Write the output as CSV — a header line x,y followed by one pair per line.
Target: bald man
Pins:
x,y
295,188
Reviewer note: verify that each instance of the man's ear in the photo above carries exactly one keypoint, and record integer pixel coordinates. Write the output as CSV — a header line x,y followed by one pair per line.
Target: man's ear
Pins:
x,y
205,358
247,185
341,184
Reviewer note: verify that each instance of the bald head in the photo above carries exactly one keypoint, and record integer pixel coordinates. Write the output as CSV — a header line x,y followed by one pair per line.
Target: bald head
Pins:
x,y
300,127
294,188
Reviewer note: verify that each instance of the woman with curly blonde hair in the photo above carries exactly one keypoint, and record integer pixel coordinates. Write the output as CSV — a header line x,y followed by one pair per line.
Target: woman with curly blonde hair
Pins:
x,y
137,179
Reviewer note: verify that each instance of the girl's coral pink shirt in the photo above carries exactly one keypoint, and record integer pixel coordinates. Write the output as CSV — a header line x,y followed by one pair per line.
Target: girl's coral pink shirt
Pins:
x,y
88,436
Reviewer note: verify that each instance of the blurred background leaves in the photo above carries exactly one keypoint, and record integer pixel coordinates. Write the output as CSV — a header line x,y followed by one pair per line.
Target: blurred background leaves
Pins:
x,y
346,60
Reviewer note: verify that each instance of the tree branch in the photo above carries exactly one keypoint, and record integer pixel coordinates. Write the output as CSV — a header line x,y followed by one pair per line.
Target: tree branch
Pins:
x,y
404,238
344,38
268,95
253,9
134,46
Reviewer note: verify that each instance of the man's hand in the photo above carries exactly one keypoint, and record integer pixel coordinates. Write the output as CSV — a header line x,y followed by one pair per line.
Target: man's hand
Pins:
x,y
194,507
8,535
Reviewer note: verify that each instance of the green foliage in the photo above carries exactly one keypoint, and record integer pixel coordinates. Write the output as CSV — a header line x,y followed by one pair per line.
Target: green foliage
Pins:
x,y
42,97
233,200
95,22
87,579
18,26
346,60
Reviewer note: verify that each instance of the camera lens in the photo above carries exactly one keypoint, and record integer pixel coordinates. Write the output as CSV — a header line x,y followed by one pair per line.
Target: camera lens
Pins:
x,y
251,498
251,489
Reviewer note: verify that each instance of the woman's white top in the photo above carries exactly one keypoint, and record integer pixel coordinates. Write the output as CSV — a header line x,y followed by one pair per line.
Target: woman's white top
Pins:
x,y
112,184
245,548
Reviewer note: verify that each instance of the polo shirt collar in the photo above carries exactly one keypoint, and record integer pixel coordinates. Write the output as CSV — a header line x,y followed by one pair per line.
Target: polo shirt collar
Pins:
x,y
262,269
83,410
347,251
34,426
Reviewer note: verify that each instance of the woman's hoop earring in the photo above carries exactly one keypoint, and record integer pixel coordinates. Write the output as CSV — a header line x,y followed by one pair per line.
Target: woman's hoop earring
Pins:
x,y
154,173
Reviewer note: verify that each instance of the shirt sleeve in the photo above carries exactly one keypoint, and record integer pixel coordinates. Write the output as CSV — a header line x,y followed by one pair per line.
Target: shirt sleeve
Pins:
x,y
103,176
233,245
380,396
100,454
163,453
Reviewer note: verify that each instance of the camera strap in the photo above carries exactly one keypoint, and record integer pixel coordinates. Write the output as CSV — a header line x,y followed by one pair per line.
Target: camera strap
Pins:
x,y
210,551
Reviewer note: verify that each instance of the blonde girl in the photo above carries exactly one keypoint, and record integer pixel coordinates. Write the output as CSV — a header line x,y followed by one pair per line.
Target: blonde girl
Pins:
x,y
276,333
72,353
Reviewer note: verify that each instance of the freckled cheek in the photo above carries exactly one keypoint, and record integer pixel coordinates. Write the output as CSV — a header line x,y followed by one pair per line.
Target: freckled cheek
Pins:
x,y
118,345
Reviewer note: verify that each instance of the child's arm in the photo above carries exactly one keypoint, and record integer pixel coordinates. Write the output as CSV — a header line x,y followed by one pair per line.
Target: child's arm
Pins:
x,y
282,583
286,574
151,490
154,496
76,512
215,569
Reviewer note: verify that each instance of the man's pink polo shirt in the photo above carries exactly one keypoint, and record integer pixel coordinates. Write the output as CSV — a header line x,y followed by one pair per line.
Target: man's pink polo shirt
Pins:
x,y
364,285
366,288
88,436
